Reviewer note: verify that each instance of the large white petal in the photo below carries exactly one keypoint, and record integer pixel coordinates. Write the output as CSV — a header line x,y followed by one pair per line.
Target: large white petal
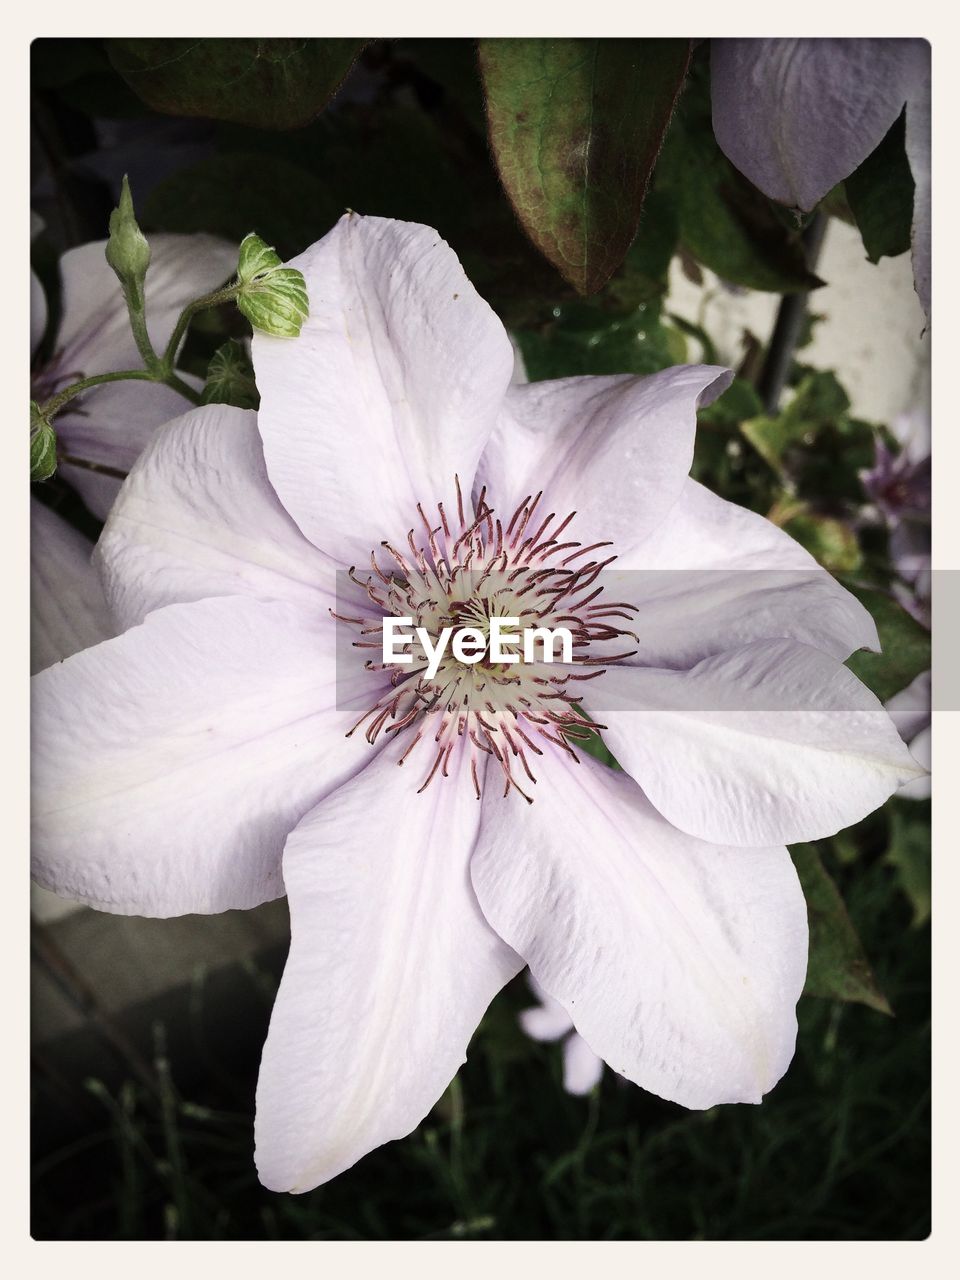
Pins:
x,y
198,517
616,450
391,967
679,962
390,391
714,576
68,611
798,116
170,763
772,743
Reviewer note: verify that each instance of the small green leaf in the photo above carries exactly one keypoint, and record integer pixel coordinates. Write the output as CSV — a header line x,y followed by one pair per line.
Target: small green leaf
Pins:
x,y
909,854
43,445
271,84
575,127
831,542
837,967
880,195
739,402
818,400
272,297
906,645
230,378
128,252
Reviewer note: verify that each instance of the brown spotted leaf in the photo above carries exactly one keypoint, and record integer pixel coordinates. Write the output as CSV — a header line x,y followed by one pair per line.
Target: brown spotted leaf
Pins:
x,y
576,127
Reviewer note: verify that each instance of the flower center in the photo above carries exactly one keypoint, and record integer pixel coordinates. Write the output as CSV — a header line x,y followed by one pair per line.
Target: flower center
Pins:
x,y
466,571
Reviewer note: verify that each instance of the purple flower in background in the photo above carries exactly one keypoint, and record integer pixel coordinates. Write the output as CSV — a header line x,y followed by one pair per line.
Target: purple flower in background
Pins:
x,y
220,753
798,116
899,487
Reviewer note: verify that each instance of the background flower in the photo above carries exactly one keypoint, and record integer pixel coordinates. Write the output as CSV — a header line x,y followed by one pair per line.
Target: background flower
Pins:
x,y
109,425
547,1020
798,116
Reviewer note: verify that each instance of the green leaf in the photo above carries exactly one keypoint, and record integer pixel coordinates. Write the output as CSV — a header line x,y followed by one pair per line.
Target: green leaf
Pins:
x,y
739,402
127,251
818,400
396,163
643,275
909,854
272,297
831,542
273,84
725,222
78,71
837,966
229,193
582,338
43,445
575,127
880,196
906,645
230,378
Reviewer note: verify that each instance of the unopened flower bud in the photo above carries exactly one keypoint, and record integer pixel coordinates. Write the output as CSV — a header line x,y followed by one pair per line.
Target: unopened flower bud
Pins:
x,y
272,297
43,445
128,252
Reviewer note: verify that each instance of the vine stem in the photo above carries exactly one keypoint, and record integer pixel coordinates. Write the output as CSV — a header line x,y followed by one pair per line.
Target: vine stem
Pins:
x,y
789,325
53,406
156,368
214,299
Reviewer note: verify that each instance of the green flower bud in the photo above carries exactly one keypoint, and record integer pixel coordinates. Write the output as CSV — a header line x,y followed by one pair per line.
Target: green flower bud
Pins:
x,y
230,378
128,252
43,445
272,297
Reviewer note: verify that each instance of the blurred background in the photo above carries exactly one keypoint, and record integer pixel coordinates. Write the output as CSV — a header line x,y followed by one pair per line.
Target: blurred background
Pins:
x,y
147,1033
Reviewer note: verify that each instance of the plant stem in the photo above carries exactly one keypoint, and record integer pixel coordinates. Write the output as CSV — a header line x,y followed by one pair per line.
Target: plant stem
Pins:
x,y
161,374
138,323
214,299
56,403
176,383
789,323
156,368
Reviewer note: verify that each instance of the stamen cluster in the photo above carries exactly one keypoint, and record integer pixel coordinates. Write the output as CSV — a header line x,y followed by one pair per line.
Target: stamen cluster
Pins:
x,y
462,576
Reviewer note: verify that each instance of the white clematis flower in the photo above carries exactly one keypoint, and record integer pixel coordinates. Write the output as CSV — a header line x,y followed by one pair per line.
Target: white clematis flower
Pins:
x,y
203,760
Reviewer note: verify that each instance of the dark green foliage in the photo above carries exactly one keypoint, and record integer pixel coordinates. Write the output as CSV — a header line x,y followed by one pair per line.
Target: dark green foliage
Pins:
x,y
273,84
880,196
839,1150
